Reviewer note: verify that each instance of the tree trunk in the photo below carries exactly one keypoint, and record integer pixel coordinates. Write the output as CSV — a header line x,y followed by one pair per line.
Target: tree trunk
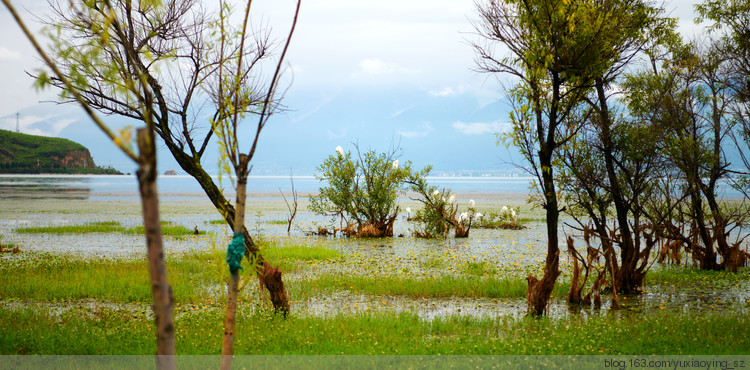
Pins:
x,y
194,169
160,289
227,348
541,290
625,278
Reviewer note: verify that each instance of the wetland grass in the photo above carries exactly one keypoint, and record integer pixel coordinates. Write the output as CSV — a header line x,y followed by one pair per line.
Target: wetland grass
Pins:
x,y
116,331
429,287
168,229
681,275
43,276
89,227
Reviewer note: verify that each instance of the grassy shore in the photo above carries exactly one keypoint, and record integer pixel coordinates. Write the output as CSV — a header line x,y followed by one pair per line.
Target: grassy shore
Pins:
x,y
53,304
117,331
167,229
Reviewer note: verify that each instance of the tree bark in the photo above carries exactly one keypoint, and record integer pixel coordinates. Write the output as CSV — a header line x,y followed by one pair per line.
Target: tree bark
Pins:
x,y
540,290
194,169
160,289
227,348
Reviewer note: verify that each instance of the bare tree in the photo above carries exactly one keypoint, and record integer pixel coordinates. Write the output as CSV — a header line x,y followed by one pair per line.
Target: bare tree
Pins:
x,y
293,207
184,55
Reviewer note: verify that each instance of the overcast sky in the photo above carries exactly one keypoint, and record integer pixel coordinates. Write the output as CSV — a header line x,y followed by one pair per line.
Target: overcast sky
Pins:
x,y
416,43
364,71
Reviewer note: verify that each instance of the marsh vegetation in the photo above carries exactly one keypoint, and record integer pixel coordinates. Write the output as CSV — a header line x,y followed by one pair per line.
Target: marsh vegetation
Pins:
x,y
409,295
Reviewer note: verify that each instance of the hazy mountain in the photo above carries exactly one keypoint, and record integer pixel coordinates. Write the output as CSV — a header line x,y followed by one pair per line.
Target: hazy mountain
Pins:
x,y
449,130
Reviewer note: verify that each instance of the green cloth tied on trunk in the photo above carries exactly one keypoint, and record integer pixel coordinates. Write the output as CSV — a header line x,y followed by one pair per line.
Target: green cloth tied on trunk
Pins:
x,y
235,251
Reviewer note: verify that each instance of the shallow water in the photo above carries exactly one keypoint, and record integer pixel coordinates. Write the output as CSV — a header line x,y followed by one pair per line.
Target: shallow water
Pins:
x,y
503,253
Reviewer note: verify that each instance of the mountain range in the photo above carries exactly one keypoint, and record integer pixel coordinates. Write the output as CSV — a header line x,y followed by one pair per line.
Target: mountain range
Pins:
x,y
448,129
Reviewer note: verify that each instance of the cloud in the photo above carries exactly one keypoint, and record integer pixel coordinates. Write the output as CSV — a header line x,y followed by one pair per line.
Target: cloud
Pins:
x,y
449,91
480,128
426,130
340,133
49,125
374,66
399,112
8,55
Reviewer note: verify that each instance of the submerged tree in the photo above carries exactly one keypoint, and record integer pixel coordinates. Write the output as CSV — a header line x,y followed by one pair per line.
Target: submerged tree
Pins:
x,y
440,209
180,52
137,90
692,103
555,51
361,190
611,164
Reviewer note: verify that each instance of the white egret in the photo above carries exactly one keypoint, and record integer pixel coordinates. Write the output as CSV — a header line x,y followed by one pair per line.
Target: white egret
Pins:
x,y
472,203
340,150
451,199
395,164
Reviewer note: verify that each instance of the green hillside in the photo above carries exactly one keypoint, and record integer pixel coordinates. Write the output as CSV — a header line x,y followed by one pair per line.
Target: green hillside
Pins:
x,y
22,153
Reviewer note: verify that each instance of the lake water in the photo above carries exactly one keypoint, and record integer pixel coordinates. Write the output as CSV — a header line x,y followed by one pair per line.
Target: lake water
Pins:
x,y
116,186
53,200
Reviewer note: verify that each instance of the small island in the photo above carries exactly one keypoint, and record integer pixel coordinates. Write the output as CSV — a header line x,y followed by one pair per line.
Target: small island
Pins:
x,y
31,154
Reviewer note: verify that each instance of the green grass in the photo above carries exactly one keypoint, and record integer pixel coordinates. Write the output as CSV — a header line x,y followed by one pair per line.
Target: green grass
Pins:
x,y
274,252
194,277
49,277
277,222
690,276
111,331
216,222
430,287
89,227
6,245
481,268
167,229
432,263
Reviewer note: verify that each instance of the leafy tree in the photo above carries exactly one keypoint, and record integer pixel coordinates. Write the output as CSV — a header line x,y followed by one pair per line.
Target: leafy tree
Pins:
x,y
555,50
362,190
611,163
182,57
440,211
730,31
693,103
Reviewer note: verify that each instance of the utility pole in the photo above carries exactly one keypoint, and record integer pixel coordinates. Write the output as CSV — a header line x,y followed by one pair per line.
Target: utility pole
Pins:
x,y
17,122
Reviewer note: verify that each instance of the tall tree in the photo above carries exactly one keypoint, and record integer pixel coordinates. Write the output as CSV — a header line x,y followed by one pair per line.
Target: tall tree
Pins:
x,y
178,48
234,99
554,53
136,86
614,160
693,103
730,28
